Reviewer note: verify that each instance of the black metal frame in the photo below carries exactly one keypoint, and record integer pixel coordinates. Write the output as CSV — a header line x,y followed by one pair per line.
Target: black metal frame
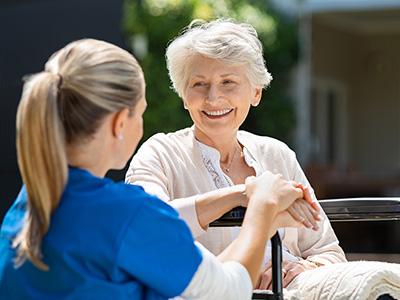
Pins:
x,y
337,210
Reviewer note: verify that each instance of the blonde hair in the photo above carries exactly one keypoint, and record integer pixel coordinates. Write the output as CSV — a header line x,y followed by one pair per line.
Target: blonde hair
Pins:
x,y
81,84
222,39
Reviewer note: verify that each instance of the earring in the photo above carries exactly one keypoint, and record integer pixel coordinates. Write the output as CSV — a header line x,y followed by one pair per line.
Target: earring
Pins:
x,y
255,104
120,136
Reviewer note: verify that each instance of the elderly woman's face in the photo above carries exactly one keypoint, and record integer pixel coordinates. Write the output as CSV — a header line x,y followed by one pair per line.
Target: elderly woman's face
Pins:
x,y
218,96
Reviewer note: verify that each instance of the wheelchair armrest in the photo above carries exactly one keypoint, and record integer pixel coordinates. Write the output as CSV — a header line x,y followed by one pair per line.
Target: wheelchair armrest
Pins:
x,y
232,218
337,210
361,209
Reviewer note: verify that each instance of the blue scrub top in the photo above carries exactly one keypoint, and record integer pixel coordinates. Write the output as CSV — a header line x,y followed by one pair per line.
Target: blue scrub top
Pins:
x,y
106,241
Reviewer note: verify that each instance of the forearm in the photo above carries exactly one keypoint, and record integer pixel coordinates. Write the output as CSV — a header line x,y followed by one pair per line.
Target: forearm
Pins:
x,y
212,205
216,280
248,248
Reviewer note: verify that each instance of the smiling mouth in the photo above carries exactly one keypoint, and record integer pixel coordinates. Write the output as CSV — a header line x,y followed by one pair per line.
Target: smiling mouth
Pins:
x,y
217,113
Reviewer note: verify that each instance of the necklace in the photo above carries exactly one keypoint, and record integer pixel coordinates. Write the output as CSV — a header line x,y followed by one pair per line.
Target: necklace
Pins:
x,y
227,168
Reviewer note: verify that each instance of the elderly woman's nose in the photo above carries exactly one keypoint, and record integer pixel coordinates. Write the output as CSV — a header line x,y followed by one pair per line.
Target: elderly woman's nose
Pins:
x,y
213,93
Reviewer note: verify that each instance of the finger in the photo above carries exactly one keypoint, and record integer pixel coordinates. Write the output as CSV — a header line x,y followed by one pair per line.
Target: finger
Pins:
x,y
266,279
305,211
269,286
300,208
315,215
265,283
308,216
284,272
249,179
287,270
308,197
286,265
283,276
295,214
296,184
298,193
263,270
290,275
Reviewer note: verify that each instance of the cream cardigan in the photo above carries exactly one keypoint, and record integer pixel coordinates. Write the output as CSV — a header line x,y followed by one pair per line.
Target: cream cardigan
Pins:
x,y
171,166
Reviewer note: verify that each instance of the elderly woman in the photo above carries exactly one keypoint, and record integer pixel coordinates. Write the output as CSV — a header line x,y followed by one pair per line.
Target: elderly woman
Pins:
x,y
218,70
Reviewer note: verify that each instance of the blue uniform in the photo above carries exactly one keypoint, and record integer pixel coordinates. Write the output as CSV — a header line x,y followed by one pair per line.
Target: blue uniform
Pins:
x,y
106,241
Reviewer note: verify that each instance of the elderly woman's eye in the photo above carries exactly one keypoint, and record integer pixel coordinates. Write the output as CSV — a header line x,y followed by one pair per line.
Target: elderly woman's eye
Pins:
x,y
199,84
227,82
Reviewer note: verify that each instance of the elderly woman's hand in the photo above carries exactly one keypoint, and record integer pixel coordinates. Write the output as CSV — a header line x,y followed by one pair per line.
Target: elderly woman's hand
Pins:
x,y
302,212
290,270
305,212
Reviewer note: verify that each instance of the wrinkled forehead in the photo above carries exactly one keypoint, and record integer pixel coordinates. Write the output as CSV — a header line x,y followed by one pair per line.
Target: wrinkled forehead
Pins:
x,y
202,66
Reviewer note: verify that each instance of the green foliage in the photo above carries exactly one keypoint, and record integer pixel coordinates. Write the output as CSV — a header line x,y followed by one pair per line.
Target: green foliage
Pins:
x,y
151,24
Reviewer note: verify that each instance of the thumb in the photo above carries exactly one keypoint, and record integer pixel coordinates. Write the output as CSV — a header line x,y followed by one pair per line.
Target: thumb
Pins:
x,y
250,179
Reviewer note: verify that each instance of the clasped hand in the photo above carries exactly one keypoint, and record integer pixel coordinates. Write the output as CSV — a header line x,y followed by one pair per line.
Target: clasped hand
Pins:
x,y
303,212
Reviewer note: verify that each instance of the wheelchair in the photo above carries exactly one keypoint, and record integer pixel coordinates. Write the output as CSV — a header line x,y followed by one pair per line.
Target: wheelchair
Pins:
x,y
337,210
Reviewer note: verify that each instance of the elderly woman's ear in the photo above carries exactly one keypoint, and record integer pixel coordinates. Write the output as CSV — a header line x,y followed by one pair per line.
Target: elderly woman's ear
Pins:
x,y
257,97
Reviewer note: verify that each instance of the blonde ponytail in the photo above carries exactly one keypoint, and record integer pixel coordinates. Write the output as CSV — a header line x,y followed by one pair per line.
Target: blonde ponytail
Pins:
x,y
82,83
42,161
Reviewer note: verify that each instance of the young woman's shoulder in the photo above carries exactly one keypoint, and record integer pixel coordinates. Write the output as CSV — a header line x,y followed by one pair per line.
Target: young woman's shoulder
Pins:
x,y
129,197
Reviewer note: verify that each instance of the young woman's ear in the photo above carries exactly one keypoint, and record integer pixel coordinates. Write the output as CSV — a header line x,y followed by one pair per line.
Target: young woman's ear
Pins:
x,y
257,96
119,123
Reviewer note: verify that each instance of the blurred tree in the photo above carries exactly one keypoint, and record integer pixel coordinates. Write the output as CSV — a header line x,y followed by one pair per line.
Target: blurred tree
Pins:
x,y
151,24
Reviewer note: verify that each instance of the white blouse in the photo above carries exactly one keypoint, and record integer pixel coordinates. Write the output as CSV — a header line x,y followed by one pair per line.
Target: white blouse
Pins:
x,y
211,159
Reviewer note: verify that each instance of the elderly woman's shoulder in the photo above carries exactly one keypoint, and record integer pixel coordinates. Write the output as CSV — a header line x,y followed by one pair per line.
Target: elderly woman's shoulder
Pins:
x,y
264,143
173,140
181,135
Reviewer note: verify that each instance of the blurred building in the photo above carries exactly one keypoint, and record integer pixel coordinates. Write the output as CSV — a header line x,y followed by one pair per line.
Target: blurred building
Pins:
x,y
347,91
347,94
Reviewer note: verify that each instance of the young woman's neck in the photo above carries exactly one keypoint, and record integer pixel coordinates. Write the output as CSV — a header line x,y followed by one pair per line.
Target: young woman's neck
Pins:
x,y
92,155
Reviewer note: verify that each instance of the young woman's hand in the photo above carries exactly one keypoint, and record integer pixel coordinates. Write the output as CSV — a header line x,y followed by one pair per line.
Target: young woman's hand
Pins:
x,y
303,211
272,188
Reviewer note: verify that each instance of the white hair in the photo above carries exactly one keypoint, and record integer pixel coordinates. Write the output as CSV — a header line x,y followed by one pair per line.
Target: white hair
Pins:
x,y
234,43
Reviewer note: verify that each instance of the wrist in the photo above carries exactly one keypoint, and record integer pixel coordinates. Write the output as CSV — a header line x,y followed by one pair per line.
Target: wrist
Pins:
x,y
310,265
264,208
242,199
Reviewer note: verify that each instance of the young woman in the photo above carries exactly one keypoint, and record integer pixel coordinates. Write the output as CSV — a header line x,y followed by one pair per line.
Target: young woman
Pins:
x,y
74,234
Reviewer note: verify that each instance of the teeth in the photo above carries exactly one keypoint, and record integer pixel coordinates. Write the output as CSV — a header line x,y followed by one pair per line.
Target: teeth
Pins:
x,y
218,112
